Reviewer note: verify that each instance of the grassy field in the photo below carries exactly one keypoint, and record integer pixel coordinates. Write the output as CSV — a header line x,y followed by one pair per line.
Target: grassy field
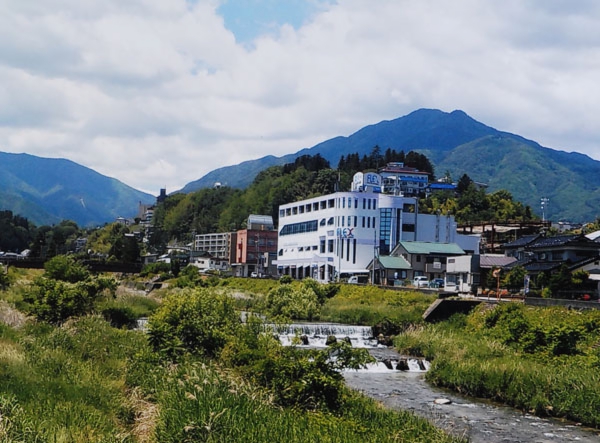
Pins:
x,y
86,381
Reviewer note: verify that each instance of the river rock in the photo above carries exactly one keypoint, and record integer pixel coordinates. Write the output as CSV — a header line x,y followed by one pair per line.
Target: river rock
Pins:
x,y
331,339
402,365
388,363
442,401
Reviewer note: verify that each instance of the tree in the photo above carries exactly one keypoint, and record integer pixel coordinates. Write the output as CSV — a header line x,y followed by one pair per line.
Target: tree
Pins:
x,y
463,183
66,269
515,278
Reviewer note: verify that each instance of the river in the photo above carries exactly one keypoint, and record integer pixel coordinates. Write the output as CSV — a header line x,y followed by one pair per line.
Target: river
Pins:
x,y
477,420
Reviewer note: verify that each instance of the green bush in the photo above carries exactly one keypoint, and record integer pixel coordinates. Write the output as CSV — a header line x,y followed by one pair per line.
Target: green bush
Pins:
x,y
292,302
198,321
66,269
157,268
55,301
120,316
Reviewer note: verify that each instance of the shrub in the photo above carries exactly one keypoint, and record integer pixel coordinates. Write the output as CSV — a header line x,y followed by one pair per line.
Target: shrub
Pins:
x,y
294,303
198,321
55,301
120,316
65,268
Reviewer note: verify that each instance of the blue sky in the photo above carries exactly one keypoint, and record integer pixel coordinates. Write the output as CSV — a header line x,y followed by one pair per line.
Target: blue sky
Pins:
x,y
248,19
158,93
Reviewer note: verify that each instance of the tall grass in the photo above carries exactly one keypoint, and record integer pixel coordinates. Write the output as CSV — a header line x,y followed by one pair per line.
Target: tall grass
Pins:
x,y
200,402
66,384
369,305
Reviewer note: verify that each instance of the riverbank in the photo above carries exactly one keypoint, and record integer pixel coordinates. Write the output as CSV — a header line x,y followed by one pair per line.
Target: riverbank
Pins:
x,y
475,420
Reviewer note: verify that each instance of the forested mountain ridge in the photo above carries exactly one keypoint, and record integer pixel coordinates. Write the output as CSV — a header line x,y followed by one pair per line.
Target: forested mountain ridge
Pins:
x,y
457,144
47,191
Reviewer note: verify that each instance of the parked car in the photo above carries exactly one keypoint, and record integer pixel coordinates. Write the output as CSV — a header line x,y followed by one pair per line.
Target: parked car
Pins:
x,y
436,283
420,281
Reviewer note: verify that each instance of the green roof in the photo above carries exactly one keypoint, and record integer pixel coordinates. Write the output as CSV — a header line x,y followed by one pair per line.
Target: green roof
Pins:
x,y
422,247
388,262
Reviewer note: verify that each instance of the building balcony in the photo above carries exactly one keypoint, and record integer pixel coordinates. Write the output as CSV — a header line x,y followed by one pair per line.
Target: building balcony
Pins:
x,y
435,268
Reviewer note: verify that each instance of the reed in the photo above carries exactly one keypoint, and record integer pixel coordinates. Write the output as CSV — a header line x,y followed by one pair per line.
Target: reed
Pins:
x,y
66,384
200,402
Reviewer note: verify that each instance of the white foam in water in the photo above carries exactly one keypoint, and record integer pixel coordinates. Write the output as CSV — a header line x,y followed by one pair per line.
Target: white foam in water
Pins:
x,y
360,336
413,366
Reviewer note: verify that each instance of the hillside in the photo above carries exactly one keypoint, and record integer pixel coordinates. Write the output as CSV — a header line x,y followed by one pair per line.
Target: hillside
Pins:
x,y
46,191
457,143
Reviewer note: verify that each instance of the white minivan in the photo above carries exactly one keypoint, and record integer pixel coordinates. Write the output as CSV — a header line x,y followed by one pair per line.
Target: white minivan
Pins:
x,y
421,281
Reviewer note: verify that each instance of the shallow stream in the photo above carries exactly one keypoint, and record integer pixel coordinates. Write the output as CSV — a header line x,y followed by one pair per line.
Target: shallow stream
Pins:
x,y
477,420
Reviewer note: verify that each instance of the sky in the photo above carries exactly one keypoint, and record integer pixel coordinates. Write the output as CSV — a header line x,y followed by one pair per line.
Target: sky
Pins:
x,y
159,93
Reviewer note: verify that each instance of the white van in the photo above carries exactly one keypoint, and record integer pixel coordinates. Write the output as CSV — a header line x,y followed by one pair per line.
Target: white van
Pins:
x,y
421,281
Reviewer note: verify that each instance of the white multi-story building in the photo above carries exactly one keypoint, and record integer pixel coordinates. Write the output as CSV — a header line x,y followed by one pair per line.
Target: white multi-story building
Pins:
x,y
337,235
216,244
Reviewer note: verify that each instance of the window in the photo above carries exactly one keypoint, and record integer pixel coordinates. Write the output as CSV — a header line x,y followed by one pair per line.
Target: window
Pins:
x,y
322,246
418,258
297,228
329,245
330,222
408,227
331,203
322,222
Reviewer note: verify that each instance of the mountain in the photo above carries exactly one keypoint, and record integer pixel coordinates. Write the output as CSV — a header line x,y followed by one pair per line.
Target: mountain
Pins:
x,y
47,191
456,143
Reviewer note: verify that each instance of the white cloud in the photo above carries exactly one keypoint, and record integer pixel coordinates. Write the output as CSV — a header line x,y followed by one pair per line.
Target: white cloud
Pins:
x,y
159,93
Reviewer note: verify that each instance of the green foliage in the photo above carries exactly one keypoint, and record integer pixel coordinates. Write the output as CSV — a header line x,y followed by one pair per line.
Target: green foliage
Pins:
x,y
286,279
541,360
65,268
4,278
66,384
158,268
309,379
16,233
55,301
297,303
197,321
201,402
323,291
367,305
515,278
